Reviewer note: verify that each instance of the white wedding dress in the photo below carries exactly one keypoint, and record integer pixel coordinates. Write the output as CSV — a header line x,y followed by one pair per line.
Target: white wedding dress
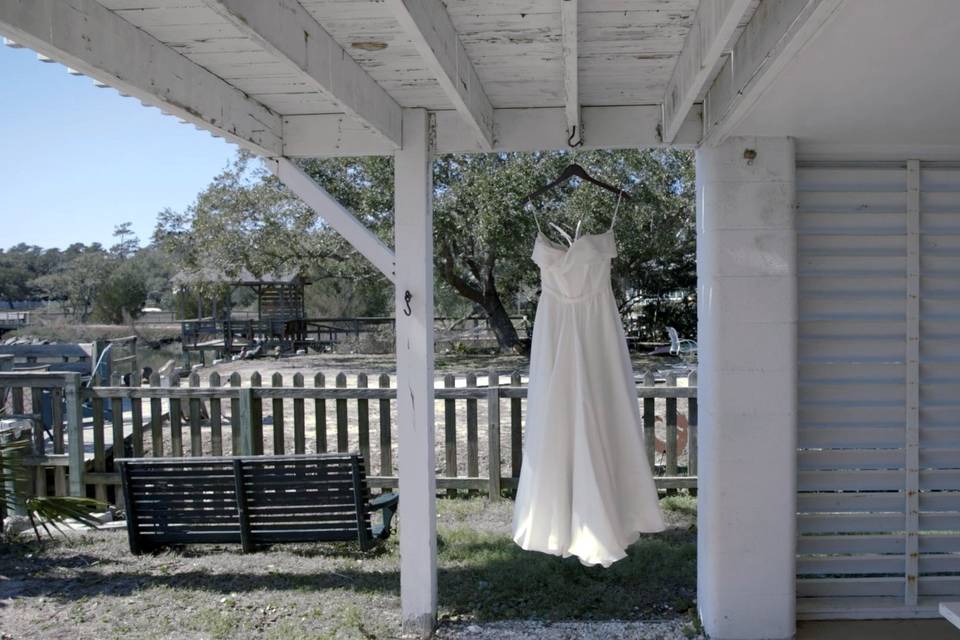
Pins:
x,y
585,485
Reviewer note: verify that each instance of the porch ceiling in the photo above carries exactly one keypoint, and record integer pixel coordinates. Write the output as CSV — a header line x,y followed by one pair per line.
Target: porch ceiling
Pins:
x,y
329,77
880,80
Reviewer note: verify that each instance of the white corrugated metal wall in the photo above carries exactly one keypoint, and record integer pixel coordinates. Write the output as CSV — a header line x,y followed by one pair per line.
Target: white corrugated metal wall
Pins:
x,y
879,400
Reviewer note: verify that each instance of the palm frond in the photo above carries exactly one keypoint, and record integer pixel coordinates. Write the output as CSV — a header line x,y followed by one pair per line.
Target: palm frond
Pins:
x,y
42,510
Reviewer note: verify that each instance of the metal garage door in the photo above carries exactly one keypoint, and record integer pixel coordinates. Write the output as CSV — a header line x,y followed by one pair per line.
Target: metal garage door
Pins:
x,y
879,404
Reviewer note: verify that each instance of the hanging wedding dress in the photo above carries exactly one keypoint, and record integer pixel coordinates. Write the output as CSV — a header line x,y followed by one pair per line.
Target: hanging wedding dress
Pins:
x,y
585,485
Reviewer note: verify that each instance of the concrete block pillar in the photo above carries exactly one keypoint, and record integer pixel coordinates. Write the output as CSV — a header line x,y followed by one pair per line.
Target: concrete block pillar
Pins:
x,y
747,325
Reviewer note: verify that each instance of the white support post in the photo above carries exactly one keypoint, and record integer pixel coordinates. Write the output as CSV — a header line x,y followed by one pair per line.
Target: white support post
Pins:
x,y
413,223
747,315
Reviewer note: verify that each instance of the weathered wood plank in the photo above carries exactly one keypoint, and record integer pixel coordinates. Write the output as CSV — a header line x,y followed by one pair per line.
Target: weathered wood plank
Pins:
x,y
386,443
59,448
196,436
156,419
235,446
99,451
136,416
473,445
671,428
342,442
176,425
256,430
278,425
516,429
493,435
450,432
320,416
649,421
299,425
216,418
363,419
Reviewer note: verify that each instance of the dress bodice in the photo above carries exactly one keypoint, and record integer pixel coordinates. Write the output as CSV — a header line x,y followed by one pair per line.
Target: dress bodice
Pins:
x,y
576,273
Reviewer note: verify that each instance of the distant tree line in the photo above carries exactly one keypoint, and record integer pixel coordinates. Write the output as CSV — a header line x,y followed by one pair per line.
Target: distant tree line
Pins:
x,y
90,282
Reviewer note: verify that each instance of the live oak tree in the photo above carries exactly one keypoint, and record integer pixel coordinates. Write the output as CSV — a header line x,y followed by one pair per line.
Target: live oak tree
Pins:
x,y
483,234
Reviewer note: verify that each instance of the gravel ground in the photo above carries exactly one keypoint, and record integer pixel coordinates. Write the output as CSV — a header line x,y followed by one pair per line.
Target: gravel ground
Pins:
x,y
612,630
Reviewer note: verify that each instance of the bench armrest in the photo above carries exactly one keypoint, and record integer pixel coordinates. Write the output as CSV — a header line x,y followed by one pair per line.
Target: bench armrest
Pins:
x,y
387,505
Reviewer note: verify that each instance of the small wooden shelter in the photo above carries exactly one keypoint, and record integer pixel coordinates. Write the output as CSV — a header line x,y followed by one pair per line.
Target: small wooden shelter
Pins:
x,y
281,312
828,221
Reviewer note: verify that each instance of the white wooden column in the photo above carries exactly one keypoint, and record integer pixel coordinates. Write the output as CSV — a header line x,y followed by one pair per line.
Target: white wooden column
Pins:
x,y
747,322
413,216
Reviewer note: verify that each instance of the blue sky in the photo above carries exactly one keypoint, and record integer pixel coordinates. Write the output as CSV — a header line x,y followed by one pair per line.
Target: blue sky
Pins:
x,y
75,160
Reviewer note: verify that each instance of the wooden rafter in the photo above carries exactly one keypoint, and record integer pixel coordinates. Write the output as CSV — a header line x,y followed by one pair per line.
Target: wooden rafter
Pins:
x,y
569,13
714,25
85,36
775,34
428,25
288,31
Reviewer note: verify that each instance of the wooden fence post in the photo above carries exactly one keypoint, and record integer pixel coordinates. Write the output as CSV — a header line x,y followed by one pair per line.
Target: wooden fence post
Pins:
x,y
363,420
156,419
71,392
692,420
386,442
493,434
473,447
277,409
246,421
516,429
671,432
299,427
650,422
256,414
320,417
450,432
176,417
341,403
216,417
196,433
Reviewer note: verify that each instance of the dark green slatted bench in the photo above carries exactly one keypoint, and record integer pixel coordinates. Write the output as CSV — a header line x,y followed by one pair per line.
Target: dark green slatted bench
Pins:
x,y
252,501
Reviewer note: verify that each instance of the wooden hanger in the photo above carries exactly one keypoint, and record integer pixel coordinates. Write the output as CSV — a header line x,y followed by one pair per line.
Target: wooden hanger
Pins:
x,y
576,171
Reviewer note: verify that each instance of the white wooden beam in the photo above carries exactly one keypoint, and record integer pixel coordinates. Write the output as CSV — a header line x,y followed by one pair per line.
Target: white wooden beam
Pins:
x,y
85,36
337,216
428,25
570,38
777,32
709,37
413,228
291,34
626,127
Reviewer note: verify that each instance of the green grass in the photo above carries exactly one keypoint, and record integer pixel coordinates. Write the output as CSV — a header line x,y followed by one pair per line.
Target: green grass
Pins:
x,y
484,576
487,577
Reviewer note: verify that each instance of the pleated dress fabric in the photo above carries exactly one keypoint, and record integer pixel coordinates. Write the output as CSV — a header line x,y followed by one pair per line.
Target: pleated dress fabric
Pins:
x,y
585,489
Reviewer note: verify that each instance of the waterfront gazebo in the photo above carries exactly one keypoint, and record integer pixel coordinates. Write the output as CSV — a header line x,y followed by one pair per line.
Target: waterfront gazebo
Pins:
x,y
828,234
